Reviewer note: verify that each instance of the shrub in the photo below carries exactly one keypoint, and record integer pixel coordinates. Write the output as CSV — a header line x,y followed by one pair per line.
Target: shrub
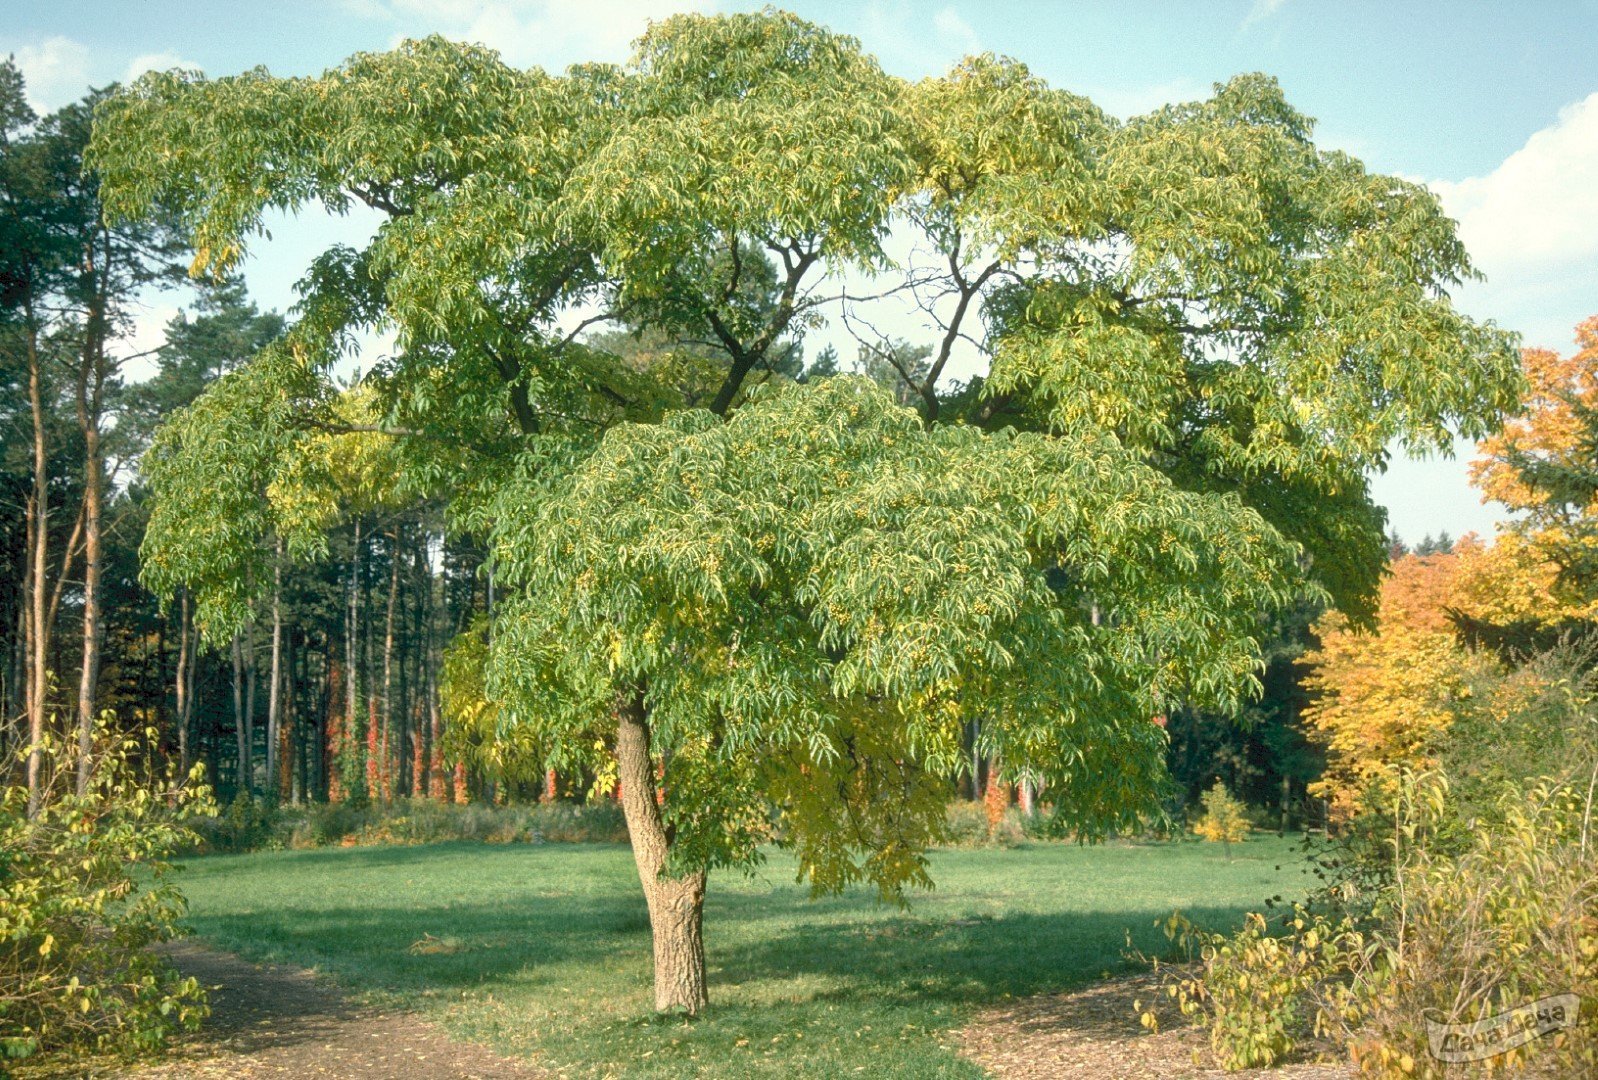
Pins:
x,y
84,893
1264,994
1453,937
249,824
325,824
252,825
1225,818
972,824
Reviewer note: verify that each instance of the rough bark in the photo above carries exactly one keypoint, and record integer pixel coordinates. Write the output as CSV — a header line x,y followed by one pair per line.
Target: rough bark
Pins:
x,y
676,903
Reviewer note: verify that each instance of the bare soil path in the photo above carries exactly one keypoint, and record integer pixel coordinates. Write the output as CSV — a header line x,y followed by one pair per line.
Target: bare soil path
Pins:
x,y
273,1021
1094,1034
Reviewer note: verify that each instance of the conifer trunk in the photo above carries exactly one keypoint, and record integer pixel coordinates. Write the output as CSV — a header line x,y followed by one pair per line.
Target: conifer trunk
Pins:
x,y
38,637
240,722
676,904
274,691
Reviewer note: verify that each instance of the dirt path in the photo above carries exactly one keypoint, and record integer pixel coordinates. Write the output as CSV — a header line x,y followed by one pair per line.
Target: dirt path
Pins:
x,y
1095,1034
269,1021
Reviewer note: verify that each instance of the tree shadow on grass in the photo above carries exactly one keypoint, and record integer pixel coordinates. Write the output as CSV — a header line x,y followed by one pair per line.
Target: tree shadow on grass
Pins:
x,y
887,958
961,961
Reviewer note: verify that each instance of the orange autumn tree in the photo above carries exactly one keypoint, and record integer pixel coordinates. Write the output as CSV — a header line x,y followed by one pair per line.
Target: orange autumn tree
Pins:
x,y
1382,696
1543,464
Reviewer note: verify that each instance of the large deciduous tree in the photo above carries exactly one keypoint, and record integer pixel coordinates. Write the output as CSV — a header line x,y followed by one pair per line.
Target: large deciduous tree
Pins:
x,y
784,605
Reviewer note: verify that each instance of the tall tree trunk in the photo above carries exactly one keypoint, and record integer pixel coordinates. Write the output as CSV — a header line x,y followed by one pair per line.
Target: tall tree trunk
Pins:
x,y
39,543
390,733
284,739
189,700
274,693
90,385
240,721
250,670
676,904
352,633
93,625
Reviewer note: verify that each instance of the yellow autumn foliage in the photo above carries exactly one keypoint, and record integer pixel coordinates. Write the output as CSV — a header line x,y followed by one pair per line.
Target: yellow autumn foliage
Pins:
x,y
1382,698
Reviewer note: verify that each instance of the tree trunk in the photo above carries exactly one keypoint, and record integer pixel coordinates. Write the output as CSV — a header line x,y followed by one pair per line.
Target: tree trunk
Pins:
x,y
390,731
240,724
187,719
249,694
352,723
274,693
39,543
91,382
676,904
180,681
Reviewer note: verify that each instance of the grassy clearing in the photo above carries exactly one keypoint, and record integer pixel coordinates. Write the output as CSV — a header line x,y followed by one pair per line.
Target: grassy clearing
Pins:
x,y
544,950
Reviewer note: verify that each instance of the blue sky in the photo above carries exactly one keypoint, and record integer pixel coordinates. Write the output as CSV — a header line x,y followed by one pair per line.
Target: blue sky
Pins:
x,y
1494,105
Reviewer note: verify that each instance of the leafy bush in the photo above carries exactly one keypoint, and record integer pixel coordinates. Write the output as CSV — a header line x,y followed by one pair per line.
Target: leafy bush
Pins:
x,y
84,893
971,824
252,825
249,824
1264,994
1454,937
1225,818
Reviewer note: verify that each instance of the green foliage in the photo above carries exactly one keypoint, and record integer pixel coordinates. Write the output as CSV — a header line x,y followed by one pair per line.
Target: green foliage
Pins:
x,y
1534,720
968,826
1207,331
817,592
248,824
84,893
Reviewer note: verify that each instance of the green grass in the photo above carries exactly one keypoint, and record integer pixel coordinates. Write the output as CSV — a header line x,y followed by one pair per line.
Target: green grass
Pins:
x,y
544,950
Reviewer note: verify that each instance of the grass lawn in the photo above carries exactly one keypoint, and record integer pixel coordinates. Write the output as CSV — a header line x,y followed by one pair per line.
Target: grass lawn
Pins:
x,y
545,950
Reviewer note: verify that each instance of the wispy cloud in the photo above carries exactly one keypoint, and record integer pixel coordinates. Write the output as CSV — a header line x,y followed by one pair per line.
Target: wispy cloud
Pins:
x,y
952,29
55,71
1262,10
551,33
161,61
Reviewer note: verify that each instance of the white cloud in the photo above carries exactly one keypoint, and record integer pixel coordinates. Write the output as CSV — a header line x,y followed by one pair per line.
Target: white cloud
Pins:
x,y
954,30
1531,225
1262,10
1539,209
161,61
550,33
56,72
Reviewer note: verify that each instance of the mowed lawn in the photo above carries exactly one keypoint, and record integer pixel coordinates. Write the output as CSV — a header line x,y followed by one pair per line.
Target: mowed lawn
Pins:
x,y
544,950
